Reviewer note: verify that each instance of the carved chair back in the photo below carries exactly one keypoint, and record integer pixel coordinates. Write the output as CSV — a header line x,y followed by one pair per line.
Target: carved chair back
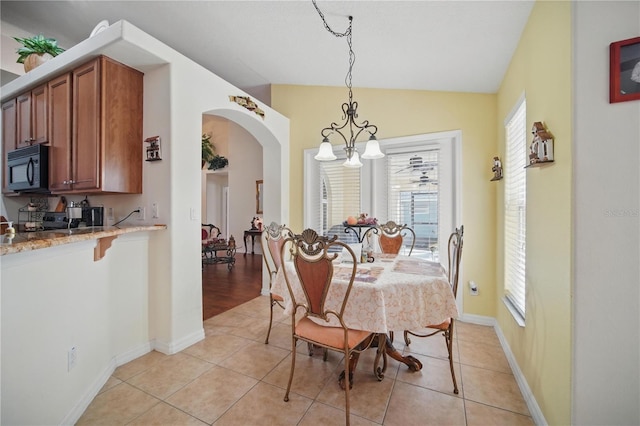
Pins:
x,y
313,260
392,236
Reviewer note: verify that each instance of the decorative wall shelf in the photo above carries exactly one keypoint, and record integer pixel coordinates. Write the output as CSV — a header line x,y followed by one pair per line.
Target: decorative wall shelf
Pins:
x,y
539,164
219,172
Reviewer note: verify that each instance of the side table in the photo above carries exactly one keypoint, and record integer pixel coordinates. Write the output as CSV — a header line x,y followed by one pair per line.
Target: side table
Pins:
x,y
357,230
251,233
210,254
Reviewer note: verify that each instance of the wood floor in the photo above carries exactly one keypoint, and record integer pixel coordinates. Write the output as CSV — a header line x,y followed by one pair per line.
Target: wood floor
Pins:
x,y
223,289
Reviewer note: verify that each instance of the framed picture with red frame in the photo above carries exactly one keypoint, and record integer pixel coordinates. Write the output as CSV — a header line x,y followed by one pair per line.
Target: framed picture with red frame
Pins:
x,y
624,74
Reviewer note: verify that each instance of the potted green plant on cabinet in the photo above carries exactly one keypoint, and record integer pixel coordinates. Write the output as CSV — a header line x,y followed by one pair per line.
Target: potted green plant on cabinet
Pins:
x,y
36,50
209,155
208,150
218,162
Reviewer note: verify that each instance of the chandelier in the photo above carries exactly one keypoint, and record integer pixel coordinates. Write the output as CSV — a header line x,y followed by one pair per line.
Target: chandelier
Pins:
x,y
349,130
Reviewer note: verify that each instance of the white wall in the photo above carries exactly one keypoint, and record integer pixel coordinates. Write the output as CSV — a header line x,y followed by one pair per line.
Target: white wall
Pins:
x,y
9,46
245,169
57,298
606,334
213,187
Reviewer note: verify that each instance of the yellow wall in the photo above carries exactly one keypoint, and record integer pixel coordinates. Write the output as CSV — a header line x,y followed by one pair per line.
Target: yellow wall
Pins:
x,y
402,113
541,68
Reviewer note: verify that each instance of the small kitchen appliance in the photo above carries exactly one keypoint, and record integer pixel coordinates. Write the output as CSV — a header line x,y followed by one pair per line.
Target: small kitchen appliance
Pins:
x,y
93,216
58,220
28,169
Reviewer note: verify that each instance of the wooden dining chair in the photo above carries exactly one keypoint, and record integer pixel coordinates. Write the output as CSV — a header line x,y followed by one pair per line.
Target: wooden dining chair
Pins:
x,y
271,242
392,237
446,327
313,262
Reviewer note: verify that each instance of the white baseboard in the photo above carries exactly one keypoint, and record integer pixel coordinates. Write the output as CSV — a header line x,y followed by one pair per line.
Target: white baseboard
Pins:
x,y
530,400
479,319
76,412
170,348
167,348
133,354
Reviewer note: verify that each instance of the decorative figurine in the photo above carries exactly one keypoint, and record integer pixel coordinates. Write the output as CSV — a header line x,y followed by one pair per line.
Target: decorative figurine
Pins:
x,y
497,169
256,223
541,150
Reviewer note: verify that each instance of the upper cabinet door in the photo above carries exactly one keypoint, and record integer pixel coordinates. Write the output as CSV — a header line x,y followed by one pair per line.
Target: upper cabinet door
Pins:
x,y
33,117
24,120
60,133
9,121
39,114
86,127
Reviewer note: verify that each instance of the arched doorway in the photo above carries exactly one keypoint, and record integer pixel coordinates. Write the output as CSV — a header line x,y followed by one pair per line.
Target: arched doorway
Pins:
x,y
247,164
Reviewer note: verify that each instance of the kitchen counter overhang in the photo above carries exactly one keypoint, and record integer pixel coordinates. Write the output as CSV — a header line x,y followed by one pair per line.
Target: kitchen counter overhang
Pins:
x,y
29,241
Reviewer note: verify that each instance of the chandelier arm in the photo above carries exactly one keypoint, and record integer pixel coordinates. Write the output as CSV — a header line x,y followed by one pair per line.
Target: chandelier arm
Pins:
x,y
328,131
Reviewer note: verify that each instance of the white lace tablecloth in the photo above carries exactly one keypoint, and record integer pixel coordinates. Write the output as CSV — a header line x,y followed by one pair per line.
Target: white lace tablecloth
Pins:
x,y
394,293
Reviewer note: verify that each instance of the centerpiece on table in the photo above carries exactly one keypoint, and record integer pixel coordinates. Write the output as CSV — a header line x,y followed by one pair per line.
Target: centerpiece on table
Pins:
x,y
362,219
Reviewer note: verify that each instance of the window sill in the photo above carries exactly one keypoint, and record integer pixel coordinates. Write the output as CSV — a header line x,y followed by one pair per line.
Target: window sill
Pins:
x,y
514,312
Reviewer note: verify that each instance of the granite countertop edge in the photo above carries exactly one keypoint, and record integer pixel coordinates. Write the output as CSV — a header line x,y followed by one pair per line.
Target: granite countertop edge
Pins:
x,y
28,241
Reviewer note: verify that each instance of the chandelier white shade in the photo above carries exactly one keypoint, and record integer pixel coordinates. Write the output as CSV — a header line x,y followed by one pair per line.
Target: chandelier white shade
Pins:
x,y
372,150
354,161
325,152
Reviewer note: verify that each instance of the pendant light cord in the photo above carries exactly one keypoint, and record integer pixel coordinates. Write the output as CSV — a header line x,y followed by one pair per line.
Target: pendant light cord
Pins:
x,y
352,55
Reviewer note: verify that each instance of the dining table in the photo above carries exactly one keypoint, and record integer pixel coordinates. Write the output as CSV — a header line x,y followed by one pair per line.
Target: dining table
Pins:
x,y
392,293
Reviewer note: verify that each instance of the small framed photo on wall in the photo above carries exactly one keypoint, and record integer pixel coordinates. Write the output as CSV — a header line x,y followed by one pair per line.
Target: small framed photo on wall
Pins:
x,y
624,74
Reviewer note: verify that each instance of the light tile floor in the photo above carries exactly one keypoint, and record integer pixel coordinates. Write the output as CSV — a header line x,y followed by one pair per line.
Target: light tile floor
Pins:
x,y
233,378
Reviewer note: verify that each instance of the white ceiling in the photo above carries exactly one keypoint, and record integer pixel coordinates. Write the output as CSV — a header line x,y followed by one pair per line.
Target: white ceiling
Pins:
x,y
426,45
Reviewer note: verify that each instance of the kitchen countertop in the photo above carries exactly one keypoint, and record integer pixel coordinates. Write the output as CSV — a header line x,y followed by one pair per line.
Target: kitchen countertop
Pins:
x,y
28,241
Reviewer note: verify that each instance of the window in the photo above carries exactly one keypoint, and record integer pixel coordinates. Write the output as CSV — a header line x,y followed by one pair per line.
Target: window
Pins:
x,y
515,210
339,194
413,196
425,197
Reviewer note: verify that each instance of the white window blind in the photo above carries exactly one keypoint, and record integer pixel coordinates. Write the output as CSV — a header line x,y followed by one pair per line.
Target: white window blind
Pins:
x,y
515,208
413,196
340,194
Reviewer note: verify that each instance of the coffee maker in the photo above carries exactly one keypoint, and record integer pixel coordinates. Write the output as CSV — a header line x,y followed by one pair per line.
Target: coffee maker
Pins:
x,y
93,216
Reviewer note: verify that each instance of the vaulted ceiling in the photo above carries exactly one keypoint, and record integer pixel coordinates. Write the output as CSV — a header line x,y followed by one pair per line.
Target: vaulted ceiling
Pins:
x,y
450,45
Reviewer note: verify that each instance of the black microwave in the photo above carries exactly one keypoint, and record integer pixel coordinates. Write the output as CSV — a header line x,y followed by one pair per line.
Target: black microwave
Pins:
x,y
28,169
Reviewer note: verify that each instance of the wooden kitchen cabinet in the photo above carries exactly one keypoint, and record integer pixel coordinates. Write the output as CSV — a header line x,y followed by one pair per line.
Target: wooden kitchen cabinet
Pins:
x,y
60,132
9,122
104,154
32,116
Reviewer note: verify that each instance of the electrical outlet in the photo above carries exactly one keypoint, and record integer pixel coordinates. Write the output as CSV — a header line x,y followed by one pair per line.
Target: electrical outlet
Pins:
x,y
473,288
155,211
72,358
142,214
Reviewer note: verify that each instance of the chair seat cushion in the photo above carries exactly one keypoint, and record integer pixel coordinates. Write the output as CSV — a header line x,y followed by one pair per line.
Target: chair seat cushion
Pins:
x,y
329,336
442,326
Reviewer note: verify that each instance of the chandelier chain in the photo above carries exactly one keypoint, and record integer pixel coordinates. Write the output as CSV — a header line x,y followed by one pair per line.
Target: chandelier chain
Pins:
x,y
352,56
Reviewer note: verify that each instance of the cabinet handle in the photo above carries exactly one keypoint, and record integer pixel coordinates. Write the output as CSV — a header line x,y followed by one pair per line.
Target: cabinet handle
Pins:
x,y
64,182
